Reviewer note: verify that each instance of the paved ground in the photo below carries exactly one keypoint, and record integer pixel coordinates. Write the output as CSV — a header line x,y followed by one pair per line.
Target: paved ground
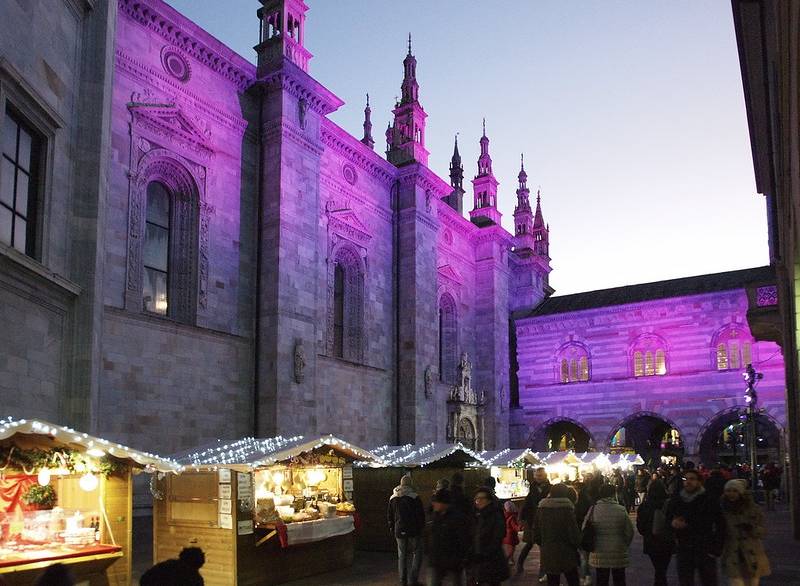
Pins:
x,y
379,569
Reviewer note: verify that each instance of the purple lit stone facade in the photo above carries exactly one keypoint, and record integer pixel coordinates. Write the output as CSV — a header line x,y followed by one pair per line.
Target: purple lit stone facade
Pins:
x,y
693,395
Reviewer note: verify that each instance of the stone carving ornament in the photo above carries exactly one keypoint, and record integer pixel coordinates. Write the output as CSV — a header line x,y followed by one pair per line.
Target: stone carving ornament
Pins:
x,y
428,382
299,362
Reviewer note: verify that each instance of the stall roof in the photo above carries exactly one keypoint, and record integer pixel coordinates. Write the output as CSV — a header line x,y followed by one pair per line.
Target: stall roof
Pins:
x,y
411,456
250,452
551,458
631,459
509,457
68,437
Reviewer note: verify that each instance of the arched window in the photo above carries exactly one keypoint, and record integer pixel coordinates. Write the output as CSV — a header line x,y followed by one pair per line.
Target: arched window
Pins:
x,y
733,348
448,339
155,282
649,356
573,363
346,335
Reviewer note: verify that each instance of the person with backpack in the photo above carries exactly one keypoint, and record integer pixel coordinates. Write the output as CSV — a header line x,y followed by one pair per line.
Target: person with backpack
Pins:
x,y
651,522
696,520
613,531
406,518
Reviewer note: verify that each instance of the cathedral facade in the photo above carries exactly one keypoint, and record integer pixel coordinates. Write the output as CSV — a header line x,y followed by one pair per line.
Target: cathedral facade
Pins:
x,y
190,249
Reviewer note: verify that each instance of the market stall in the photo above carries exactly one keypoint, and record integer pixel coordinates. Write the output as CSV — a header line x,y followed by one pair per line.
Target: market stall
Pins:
x,y
264,511
426,464
560,466
65,497
511,468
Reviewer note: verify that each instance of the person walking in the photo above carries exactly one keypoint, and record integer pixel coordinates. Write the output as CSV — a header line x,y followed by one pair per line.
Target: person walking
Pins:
x,y
557,534
540,488
488,565
586,500
651,522
696,520
459,498
511,539
613,531
449,541
744,560
642,481
406,519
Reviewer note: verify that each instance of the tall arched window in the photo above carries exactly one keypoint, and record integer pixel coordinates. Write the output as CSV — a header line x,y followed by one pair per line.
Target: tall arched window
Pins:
x,y
347,315
155,281
573,363
448,339
649,356
733,348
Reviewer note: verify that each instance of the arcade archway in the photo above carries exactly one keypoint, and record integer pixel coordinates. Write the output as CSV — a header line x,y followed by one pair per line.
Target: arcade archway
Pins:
x,y
724,440
653,437
560,435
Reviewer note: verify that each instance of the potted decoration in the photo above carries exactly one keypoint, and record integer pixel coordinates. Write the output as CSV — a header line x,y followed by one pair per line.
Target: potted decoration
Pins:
x,y
40,497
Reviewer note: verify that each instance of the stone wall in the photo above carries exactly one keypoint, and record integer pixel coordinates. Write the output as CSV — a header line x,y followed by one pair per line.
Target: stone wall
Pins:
x,y
689,396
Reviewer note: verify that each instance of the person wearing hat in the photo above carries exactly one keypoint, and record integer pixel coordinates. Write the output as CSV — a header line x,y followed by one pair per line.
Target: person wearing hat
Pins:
x,y
744,560
406,518
449,540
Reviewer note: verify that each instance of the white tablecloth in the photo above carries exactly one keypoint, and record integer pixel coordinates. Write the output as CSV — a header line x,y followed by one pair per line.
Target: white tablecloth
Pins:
x,y
308,531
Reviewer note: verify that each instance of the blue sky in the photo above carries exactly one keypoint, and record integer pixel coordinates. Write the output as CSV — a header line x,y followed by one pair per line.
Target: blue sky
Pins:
x,y
630,114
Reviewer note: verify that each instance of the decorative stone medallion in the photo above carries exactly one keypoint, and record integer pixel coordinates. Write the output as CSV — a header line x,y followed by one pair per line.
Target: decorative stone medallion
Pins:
x,y
349,173
175,64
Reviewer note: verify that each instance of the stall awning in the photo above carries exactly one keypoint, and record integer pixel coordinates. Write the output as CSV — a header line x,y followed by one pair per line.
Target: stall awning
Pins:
x,y
94,446
412,456
249,453
511,458
554,458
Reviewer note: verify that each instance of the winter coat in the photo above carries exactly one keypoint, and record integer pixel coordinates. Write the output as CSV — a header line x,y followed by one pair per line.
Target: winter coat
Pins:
x,y
488,562
664,542
459,500
715,485
613,532
449,540
512,529
527,515
405,515
557,534
743,554
706,527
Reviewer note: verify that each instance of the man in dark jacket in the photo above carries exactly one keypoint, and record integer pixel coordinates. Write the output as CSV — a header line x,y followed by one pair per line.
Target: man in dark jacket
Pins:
x,y
449,540
459,499
699,527
406,521
488,565
540,488
715,485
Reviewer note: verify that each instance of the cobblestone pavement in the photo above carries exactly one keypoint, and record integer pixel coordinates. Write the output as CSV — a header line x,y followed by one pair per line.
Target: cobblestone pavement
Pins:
x,y
379,569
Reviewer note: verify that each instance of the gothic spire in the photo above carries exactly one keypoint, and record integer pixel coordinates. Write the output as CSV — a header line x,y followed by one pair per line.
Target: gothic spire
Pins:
x,y
456,168
484,160
368,140
538,218
407,142
410,88
523,176
523,205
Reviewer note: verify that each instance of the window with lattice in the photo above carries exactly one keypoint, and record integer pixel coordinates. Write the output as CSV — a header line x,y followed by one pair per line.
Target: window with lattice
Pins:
x,y
346,327
733,349
573,364
448,339
649,356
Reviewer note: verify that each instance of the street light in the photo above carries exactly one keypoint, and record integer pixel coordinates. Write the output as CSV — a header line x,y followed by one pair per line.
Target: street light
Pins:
x,y
751,400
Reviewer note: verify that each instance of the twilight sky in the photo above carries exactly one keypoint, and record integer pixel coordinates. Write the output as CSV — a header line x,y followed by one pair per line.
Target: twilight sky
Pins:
x,y
630,115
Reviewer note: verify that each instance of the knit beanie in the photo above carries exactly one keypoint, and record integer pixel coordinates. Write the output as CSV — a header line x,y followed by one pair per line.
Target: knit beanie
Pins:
x,y
736,484
405,480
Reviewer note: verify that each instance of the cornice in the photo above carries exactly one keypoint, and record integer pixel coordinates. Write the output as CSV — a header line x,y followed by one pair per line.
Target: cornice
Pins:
x,y
343,144
142,72
154,16
422,176
614,313
281,129
493,233
338,189
293,80
452,219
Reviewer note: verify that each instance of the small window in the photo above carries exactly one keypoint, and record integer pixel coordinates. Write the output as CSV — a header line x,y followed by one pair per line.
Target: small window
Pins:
x,y
734,348
572,363
649,356
338,311
19,165
638,364
747,354
722,357
661,362
583,368
564,370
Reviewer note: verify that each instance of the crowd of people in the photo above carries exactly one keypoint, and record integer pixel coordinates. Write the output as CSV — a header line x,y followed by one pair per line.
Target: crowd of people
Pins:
x,y
707,520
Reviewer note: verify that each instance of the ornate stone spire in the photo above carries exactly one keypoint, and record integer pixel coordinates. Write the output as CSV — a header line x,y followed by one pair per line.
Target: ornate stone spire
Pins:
x,y
368,140
281,35
523,219
456,168
408,139
484,185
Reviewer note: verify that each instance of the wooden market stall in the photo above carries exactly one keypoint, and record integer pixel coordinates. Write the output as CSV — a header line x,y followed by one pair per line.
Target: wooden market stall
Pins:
x,y
264,511
511,468
65,497
560,466
426,464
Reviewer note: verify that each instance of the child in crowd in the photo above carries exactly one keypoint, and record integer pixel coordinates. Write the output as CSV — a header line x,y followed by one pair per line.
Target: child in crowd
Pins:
x,y
511,539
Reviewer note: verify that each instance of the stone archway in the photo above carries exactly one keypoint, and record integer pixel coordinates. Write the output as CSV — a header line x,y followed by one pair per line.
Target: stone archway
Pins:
x,y
561,434
466,433
724,438
650,435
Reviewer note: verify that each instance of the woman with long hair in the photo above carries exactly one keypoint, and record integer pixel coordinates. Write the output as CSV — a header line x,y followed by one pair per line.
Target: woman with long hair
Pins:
x,y
744,560
652,525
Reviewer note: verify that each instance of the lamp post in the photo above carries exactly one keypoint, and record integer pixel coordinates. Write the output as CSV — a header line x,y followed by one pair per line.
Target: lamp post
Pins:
x,y
751,400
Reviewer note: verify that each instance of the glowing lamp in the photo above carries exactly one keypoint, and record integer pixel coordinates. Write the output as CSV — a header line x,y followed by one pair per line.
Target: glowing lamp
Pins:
x,y
315,476
278,478
96,452
43,477
88,482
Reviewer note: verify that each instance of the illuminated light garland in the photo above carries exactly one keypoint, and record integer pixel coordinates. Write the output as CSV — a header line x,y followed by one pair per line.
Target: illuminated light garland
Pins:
x,y
10,426
411,456
255,453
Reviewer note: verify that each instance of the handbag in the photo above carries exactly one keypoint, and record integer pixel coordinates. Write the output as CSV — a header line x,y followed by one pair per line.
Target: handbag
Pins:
x,y
588,534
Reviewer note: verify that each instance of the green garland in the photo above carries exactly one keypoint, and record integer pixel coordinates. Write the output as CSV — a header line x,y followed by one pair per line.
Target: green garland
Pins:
x,y
33,460
44,496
